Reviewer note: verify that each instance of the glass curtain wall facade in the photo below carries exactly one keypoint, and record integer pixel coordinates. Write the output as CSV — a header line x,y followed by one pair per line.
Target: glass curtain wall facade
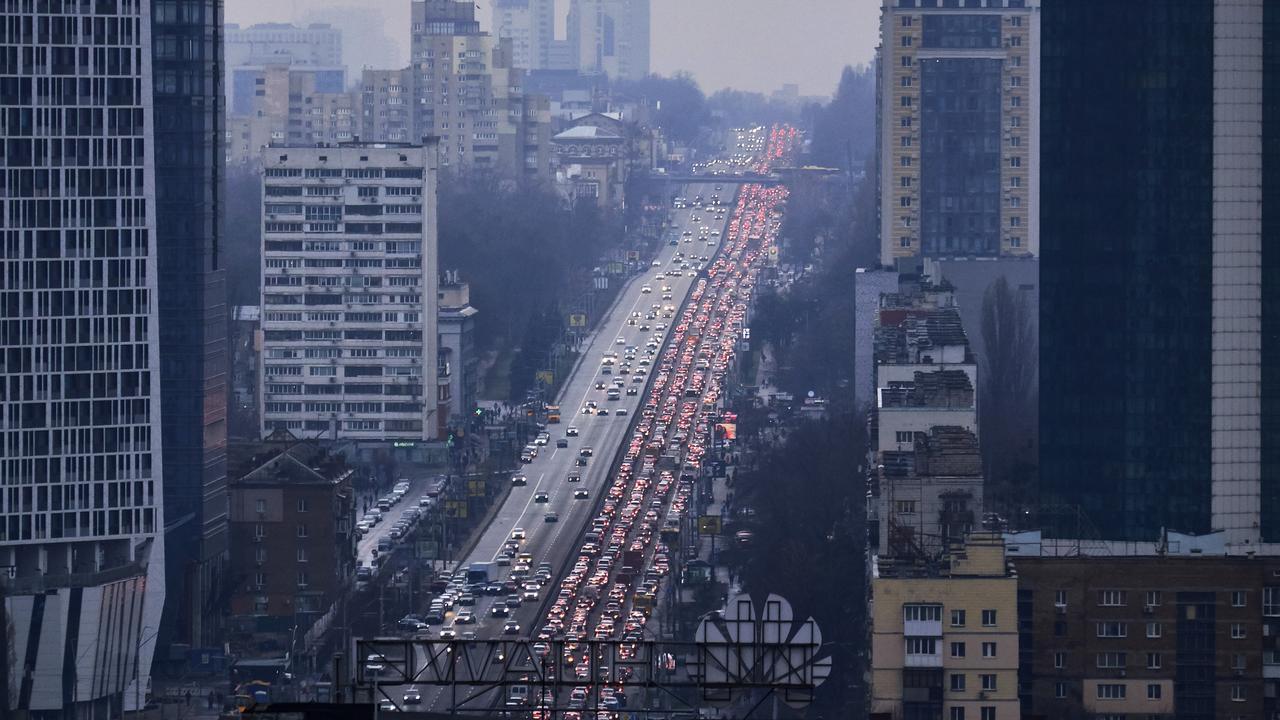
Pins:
x,y
1126,237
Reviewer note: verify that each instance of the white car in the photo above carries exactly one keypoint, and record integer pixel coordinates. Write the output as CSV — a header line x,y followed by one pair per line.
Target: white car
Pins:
x,y
646,289
656,263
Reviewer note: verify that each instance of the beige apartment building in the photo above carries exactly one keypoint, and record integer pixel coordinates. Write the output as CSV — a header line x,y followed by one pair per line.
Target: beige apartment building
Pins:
x,y
944,638
958,129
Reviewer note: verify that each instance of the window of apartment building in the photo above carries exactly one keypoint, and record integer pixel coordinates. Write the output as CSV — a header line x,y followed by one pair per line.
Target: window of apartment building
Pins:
x,y
1238,661
325,371
1015,101
906,41
905,101
1016,61
906,61
905,141
302,554
905,201
260,555
987,712
1271,601
1015,40
1060,690
906,81
957,618
1111,691
302,531
926,613
1152,598
957,649
1153,691
302,505
1015,162
259,531
260,505
906,21
988,618
922,646
1238,693
905,161
302,578
1015,202
1237,631
957,682
1059,660
988,681
904,242
1059,628
1239,598
1111,659
1016,21
988,649
957,713
1154,661
260,579
1015,81
905,507
903,436
1015,182
1015,141
905,122
1060,598
1113,629
905,181
1154,630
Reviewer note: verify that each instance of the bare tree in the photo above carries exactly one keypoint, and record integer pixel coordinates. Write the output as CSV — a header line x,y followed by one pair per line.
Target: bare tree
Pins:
x,y
1008,397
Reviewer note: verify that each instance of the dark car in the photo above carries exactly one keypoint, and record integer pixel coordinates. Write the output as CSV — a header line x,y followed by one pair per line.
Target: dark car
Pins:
x,y
562,443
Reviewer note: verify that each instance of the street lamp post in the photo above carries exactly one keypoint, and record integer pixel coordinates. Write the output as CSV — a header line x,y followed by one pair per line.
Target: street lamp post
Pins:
x,y
137,670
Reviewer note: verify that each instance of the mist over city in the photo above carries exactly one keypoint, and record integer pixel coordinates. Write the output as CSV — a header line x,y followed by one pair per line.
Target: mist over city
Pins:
x,y
639,359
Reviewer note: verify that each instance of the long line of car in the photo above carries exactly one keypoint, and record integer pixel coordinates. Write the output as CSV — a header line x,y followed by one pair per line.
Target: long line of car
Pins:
x,y
612,586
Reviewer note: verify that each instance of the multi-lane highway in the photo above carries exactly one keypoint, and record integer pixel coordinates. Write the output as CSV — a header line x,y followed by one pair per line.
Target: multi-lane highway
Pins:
x,y
627,325
678,324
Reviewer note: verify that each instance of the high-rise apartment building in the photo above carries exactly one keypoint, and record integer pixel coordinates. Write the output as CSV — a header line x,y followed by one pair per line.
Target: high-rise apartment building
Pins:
x,y
386,105
286,104
530,24
192,306
83,498
467,92
1160,362
958,129
349,293
609,37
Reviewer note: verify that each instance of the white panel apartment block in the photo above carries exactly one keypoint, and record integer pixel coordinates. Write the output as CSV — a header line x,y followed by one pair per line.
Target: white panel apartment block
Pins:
x,y
80,455
1237,269
349,283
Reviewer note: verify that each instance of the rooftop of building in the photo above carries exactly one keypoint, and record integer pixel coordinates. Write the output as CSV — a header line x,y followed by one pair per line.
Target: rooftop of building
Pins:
x,y
981,556
904,335
936,389
586,132
282,458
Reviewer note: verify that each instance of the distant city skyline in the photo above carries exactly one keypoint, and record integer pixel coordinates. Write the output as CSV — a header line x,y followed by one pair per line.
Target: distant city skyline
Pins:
x,y
708,38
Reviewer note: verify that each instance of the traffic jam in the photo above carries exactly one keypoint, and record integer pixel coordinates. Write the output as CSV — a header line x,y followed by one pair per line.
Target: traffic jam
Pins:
x,y
612,587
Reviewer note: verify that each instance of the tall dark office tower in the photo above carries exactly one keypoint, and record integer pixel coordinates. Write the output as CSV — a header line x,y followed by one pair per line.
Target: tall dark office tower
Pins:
x,y
1159,373
187,52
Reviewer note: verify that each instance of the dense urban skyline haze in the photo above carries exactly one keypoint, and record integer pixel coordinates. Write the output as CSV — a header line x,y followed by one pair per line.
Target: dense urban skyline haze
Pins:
x,y
811,39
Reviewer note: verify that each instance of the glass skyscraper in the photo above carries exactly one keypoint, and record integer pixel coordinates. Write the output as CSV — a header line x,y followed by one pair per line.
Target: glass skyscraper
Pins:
x,y
1155,404
187,52
81,480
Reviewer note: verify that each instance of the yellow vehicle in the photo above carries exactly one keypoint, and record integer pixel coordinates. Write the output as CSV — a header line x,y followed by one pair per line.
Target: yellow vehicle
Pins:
x,y
553,414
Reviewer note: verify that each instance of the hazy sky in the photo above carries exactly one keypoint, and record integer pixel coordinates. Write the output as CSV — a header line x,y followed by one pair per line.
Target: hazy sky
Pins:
x,y
746,44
